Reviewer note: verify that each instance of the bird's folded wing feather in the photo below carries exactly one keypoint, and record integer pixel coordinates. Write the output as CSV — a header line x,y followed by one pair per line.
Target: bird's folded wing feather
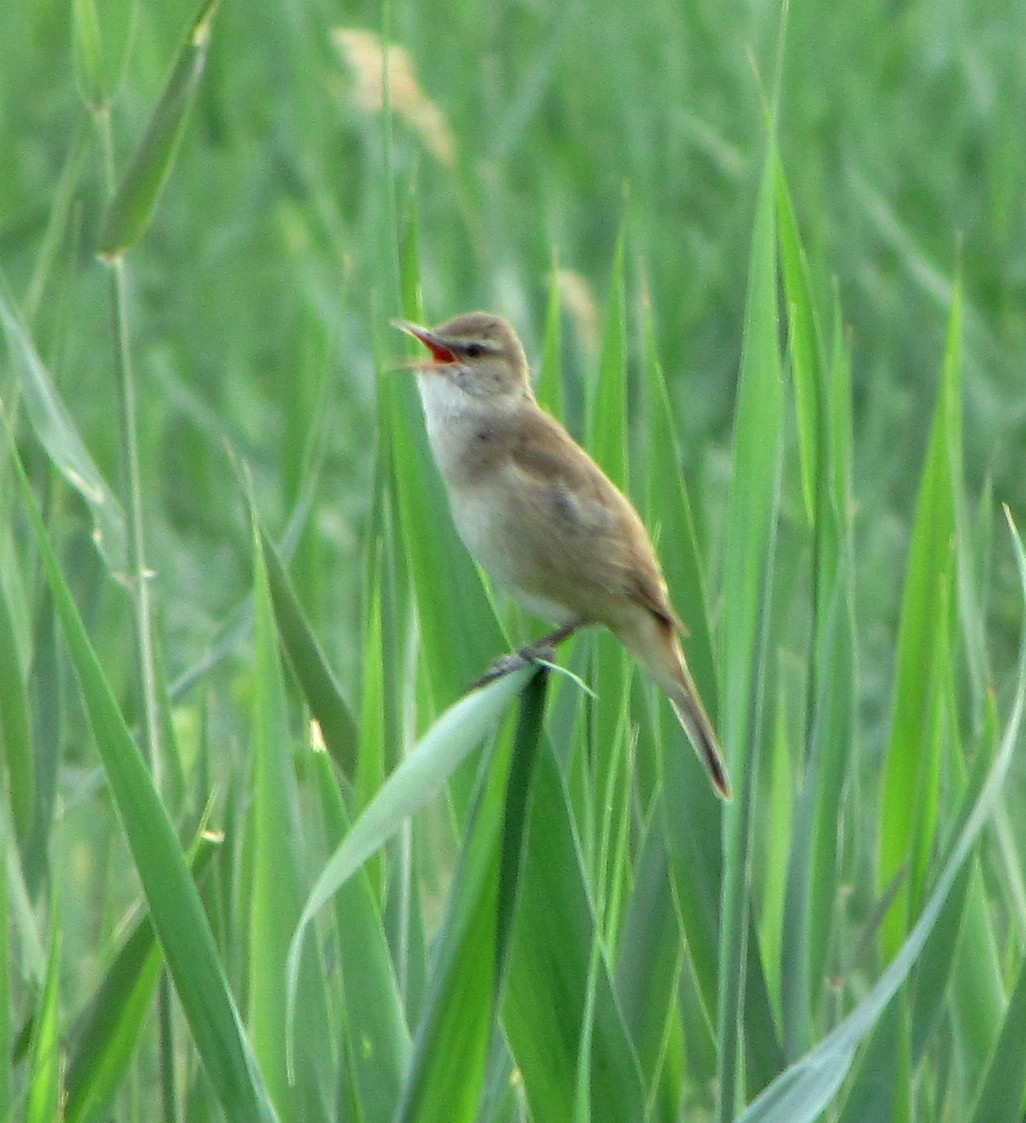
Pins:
x,y
579,503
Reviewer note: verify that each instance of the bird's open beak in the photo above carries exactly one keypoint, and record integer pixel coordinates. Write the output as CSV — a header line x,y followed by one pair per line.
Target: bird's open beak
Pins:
x,y
440,351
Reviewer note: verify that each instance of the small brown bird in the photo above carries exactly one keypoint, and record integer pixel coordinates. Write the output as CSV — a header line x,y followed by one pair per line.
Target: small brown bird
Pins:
x,y
542,518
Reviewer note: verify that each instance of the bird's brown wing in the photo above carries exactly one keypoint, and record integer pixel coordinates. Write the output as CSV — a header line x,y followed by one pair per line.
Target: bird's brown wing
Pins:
x,y
579,511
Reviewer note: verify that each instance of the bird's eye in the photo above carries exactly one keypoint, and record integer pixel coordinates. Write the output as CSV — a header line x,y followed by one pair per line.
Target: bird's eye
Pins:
x,y
474,350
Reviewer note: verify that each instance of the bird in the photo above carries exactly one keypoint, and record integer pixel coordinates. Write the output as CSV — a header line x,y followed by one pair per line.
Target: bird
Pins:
x,y
541,517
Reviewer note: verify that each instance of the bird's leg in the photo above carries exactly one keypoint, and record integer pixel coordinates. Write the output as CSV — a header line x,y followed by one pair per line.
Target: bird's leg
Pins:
x,y
542,650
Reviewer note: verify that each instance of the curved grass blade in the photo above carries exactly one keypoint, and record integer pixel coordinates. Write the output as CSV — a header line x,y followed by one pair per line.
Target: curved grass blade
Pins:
x,y
135,199
805,1089
174,902
416,781
57,434
469,952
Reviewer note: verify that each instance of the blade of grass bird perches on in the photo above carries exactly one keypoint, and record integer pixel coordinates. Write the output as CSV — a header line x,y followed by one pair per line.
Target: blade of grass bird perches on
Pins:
x,y
417,779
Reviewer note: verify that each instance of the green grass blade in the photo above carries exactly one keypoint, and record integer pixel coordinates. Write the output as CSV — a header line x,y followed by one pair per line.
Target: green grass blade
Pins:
x,y
607,403
44,1076
417,780
802,1092
107,1033
468,955
309,664
672,523
611,669
374,1033
6,990
906,840
174,903
275,891
15,728
751,531
822,400
805,341
1002,1093
692,821
100,49
813,889
553,978
692,831
808,380
135,200
833,676
649,960
549,385
57,433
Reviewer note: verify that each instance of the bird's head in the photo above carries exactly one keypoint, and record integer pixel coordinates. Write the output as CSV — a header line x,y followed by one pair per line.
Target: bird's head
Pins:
x,y
477,352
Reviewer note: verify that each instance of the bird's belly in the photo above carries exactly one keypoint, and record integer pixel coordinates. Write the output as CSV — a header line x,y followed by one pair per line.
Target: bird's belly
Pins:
x,y
504,549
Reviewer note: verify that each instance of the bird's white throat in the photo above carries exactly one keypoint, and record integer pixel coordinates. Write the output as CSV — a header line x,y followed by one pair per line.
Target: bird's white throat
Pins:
x,y
479,501
452,417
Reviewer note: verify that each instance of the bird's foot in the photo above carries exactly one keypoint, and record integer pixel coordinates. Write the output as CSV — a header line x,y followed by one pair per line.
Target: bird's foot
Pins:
x,y
506,664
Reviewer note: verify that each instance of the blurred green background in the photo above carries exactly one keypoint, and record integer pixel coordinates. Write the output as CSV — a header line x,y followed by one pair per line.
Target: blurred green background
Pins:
x,y
265,280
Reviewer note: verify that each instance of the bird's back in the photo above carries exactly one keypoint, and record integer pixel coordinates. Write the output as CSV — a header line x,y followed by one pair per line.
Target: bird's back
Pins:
x,y
541,504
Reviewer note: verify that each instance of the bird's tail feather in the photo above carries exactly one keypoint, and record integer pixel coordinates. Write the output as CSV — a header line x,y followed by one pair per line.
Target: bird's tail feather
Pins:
x,y
691,714
654,641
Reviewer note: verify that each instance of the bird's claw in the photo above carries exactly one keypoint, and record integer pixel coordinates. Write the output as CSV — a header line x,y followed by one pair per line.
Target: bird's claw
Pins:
x,y
514,661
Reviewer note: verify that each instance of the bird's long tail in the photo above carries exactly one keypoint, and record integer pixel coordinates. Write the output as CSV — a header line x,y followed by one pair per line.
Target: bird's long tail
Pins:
x,y
653,639
687,705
